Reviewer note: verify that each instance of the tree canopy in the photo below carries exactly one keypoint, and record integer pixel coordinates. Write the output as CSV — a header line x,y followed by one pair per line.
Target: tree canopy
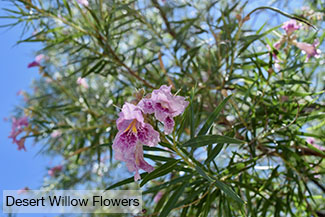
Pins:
x,y
218,104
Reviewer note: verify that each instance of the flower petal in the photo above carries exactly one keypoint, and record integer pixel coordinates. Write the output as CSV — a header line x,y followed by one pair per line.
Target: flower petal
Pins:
x,y
148,136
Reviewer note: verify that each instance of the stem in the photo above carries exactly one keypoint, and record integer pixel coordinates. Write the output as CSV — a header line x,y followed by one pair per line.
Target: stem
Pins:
x,y
282,13
174,147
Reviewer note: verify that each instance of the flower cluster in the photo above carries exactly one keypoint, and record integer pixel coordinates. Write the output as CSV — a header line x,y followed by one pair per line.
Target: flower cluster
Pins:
x,y
55,170
165,106
23,190
310,14
37,61
310,49
22,93
290,27
17,128
134,132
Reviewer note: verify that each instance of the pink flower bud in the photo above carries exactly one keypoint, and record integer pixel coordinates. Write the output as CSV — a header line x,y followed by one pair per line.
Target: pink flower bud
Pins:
x,y
290,26
55,170
37,61
56,133
83,2
82,82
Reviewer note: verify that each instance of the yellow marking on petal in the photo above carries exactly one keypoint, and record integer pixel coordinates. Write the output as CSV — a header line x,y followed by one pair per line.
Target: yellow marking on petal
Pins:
x,y
134,129
132,125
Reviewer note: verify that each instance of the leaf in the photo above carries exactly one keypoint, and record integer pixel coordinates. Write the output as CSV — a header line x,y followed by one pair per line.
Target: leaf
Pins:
x,y
125,181
173,200
148,148
167,184
66,4
213,116
203,174
207,207
191,196
315,149
215,151
157,157
228,191
210,139
97,67
284,14
160,171
248,40
291,82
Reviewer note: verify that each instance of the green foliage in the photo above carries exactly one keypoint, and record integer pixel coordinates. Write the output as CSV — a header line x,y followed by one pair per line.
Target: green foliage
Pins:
x,y
239,148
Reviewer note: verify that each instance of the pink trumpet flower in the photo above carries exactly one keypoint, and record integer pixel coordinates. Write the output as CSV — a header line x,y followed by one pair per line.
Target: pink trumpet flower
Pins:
x,y
165,105
133,134
310,49
290,26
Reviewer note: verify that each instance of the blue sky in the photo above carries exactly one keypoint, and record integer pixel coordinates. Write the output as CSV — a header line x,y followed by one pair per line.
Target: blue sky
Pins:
x,y
18,168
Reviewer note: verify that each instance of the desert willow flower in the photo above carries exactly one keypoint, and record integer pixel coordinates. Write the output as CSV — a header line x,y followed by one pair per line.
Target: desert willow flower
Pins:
x,y
18,125
165,106
133,134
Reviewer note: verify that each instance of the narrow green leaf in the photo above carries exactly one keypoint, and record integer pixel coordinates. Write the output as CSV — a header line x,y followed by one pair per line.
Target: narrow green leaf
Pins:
x,y
95,67
210,199
173,200
160,171
228,191
167,184
125,181
213,154
203,174
148,148
210,139
162,201
248,40
213,116
315,149
66,4
191,196
157,157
